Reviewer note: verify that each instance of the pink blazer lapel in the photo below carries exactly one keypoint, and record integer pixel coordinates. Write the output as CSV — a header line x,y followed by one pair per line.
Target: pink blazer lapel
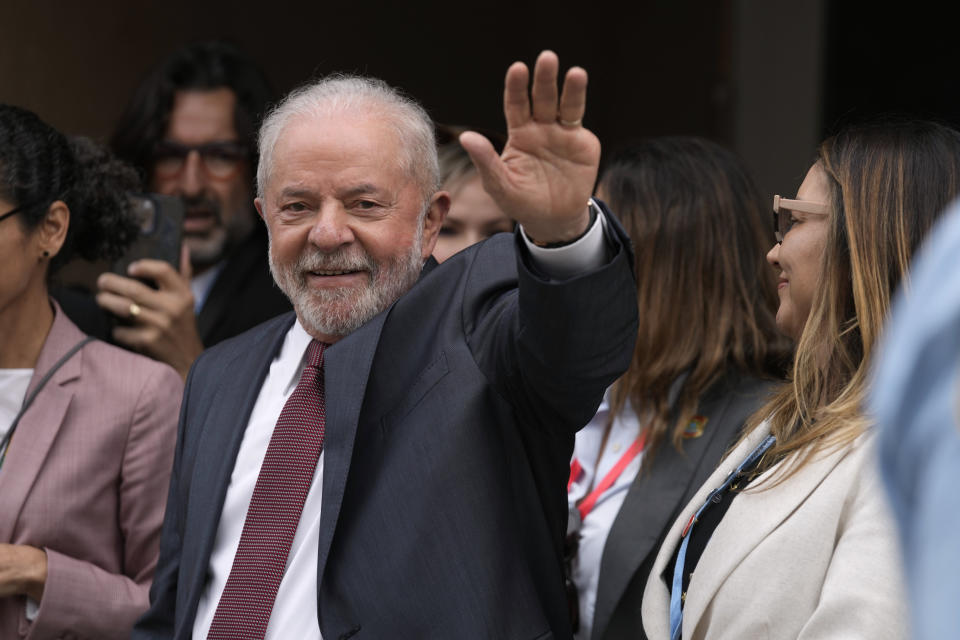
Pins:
x,y
40,424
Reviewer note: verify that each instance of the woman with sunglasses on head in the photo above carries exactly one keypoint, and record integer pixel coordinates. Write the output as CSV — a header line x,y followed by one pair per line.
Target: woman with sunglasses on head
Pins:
x,y
791,537
706,354
86,429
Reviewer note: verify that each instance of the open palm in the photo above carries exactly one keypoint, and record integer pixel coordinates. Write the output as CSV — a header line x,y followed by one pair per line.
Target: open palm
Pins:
x,y
549,164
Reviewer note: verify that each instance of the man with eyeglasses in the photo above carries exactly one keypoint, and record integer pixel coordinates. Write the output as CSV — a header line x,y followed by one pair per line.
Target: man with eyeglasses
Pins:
x,y
190,129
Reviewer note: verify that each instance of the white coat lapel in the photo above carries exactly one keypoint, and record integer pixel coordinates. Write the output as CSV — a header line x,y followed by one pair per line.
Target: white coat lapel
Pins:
x,y
656,597
748,521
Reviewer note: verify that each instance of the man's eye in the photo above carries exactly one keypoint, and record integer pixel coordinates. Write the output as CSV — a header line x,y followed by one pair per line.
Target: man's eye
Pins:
x,y
294,206
366,204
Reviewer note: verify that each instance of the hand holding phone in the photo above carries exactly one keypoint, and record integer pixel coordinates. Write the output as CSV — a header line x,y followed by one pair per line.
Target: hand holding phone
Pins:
x,y
160,220
150,297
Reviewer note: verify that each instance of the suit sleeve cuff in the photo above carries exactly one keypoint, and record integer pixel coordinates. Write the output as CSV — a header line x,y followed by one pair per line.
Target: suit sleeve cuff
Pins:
x,y
589,252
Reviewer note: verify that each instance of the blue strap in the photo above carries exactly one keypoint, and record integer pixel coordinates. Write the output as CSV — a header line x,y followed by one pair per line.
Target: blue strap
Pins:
x,y
676,604
676,589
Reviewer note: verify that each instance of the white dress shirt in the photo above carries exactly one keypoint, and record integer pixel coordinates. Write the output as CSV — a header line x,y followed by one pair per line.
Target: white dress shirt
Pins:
x,y
596,526
295,608
201,285
13,389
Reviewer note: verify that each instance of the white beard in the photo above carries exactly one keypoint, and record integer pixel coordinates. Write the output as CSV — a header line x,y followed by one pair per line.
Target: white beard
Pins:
x,y
338,312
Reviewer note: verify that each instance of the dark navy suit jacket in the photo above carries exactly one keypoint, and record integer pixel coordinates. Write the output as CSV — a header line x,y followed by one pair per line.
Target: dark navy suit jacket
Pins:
x,y
450,421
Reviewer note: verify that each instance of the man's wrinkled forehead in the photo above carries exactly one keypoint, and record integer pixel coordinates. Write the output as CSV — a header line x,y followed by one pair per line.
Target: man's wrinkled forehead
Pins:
x,y
359,140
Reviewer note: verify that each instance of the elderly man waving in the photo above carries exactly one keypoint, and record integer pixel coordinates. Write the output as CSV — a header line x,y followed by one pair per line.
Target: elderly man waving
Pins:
x,y
390,460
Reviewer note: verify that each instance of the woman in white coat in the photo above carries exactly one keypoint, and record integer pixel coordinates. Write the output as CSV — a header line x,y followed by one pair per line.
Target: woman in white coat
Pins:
x,y
791,537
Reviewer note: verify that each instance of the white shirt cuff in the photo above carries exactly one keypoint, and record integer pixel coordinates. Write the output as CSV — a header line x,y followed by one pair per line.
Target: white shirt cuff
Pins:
x,y
586,254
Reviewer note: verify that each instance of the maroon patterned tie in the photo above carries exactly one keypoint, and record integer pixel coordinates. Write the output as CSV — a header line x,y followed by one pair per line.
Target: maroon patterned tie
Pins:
x,y
282,486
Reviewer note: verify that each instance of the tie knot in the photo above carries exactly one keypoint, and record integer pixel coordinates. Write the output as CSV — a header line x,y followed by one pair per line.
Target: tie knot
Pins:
x,y
315,353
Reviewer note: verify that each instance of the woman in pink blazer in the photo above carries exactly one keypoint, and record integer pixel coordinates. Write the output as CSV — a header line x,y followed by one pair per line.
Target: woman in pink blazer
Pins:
x,y
86,430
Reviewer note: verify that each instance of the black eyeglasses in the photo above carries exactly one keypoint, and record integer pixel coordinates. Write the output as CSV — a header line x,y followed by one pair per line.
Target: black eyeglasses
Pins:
x,y
221,160
10,213
783,221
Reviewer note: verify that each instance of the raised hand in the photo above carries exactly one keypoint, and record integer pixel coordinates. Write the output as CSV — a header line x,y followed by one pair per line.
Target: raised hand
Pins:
x,y
549,165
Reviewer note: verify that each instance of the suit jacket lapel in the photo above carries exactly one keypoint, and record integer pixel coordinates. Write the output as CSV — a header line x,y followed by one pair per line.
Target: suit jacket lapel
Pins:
x,y
656,598
233,276
223,428
346,371
652,500
40,424
749,522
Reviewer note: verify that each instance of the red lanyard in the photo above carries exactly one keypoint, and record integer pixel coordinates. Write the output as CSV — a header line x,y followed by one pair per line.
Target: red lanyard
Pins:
x,y
587,504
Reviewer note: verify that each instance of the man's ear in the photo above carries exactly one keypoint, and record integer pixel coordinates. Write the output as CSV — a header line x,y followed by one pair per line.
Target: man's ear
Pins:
x,y
258,203
436,212
51,233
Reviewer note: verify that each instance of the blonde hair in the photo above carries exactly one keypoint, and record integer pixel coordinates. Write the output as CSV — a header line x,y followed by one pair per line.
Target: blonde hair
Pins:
x,y
888,183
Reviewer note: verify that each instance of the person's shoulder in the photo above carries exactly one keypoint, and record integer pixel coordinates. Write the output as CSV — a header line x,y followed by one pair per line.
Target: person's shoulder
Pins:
x,y
493,261
849,469
121,365
863,449
125,380
487,264
745,389
498,249
247,342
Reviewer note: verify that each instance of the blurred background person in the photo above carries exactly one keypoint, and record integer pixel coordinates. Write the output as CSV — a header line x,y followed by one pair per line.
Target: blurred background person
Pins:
x,y
916,399
83,481
190,129
473,215
801,540
707,352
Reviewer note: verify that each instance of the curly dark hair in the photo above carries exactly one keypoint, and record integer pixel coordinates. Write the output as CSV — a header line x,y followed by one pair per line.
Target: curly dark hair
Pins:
x,y
200,66
39,165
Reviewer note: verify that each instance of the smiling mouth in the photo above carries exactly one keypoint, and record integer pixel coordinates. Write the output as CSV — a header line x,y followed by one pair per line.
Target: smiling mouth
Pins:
x,y
332,273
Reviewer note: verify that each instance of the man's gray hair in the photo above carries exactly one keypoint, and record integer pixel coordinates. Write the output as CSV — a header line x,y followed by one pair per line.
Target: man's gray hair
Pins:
x,y
350,94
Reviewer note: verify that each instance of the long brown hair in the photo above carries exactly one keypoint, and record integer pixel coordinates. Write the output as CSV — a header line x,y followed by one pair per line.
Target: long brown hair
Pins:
x,y
888,183
706,296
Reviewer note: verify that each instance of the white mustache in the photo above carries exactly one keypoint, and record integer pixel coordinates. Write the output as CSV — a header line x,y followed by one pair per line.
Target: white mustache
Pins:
x,y
339,261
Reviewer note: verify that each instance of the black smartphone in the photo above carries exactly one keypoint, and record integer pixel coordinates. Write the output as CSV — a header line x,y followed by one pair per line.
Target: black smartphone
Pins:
x,y
160,219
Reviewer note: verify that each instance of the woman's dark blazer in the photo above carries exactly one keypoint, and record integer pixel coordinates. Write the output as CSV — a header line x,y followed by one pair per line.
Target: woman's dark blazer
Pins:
x,y
657,496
